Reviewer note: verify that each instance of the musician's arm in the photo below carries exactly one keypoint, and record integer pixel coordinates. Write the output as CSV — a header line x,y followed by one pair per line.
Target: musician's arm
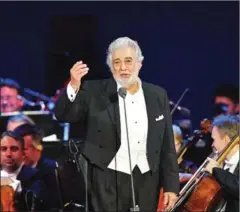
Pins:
x,y
228,181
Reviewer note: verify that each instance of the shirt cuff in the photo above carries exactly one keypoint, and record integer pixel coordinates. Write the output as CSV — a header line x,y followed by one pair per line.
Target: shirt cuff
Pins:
x,y
71,93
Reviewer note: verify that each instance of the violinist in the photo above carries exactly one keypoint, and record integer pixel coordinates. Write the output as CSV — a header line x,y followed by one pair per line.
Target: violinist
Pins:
x,y
186,168
224,127
29,189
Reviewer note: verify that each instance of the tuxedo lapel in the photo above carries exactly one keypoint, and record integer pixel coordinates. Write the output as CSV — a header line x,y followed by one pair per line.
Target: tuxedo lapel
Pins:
x,y
150,100
110,97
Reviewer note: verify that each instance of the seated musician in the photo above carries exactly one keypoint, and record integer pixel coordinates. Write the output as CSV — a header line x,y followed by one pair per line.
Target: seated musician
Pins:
x,y
21,119
16,121
33,147
186,168
224,128
226,99
31,188
11,100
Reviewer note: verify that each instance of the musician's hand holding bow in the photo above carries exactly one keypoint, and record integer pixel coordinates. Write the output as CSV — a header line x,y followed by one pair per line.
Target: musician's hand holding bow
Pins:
x,y
169,200
211,164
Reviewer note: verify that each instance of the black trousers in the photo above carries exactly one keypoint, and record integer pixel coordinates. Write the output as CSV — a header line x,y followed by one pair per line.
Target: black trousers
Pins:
x,y
111,190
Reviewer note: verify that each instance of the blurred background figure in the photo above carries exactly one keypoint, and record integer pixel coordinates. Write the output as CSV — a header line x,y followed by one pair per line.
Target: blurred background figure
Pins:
x,y
16,121
12,155
226,99
186,168
10,96
33,147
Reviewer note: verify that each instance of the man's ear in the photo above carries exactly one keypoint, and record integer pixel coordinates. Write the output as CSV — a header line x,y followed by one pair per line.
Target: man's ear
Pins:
x,y
227,139
21,102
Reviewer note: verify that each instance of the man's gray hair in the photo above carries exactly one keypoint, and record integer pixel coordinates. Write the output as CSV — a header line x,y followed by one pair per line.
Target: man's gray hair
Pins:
x,y
122,42
227,125
21,118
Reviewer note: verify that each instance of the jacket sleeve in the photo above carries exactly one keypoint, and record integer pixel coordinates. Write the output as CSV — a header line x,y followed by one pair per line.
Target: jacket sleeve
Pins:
x,y
67,111
228,181
168,161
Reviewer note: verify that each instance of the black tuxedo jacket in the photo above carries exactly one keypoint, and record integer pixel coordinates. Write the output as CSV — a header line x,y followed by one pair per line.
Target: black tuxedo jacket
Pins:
x,y
31,182
230,187
96,104
47,169
46,164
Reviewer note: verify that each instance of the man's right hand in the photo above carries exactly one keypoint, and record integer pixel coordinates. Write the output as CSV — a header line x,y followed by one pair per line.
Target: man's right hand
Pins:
x,y
78,70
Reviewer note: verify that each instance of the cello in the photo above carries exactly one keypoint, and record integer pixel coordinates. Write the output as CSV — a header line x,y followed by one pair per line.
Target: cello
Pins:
x,y
204,129
204,190
208,186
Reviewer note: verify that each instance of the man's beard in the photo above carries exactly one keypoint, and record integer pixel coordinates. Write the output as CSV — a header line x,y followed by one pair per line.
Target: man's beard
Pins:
x,y
126,83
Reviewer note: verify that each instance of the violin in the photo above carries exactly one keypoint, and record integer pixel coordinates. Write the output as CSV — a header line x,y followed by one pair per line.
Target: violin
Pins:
x,y
205,126
7,198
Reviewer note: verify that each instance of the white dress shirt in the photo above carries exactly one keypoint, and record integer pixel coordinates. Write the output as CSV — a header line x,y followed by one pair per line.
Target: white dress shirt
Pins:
x,y
71,92
137,121
232,163
16,184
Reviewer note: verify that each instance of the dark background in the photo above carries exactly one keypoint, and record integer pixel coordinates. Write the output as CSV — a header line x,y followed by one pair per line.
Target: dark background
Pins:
x,y
186,44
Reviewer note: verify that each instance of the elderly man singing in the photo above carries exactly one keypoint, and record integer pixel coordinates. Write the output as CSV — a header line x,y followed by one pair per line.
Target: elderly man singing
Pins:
x,y
100,105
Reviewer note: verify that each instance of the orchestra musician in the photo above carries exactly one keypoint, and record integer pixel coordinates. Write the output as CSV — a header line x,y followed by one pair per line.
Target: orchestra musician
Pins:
x,y
226,99
224,127
10,96
33,147
30,189
186,168
18,120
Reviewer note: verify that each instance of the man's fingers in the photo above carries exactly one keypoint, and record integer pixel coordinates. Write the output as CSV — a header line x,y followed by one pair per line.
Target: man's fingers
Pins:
x,y
166,197
80,72
170,204
169,201
77,64
83,73
79,68
78,76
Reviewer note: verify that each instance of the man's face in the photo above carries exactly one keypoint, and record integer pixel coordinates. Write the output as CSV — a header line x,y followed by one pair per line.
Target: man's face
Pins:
x,y
11,154
9,100
219,143
125,66
29,150
232,107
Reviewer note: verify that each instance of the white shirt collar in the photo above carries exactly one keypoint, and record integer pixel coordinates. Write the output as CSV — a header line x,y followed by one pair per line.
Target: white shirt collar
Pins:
x,y
13,174
233,160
